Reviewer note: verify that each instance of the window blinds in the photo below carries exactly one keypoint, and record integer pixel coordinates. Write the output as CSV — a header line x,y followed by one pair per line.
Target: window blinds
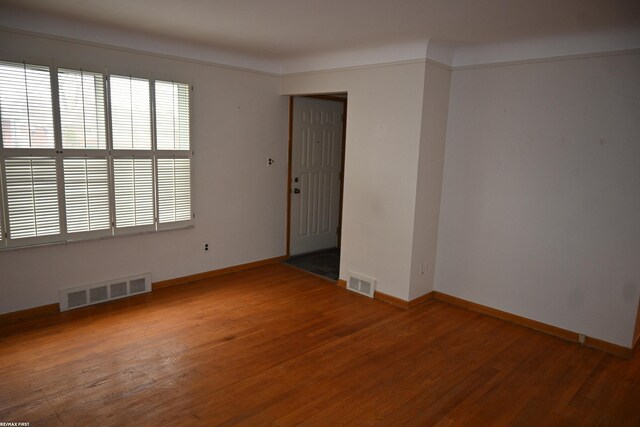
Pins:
x,y
86,190
82,117
131,130
172,115
25,102
115,161
174,190
130,113
86,179
134,192
28,151
32,197
173,139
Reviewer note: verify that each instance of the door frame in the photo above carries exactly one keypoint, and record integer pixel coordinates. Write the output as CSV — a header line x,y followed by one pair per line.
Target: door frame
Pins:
x,y
328,97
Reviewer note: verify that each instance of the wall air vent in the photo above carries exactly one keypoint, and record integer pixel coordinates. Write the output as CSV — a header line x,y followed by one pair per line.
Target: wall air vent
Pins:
x,y
361,284
81,296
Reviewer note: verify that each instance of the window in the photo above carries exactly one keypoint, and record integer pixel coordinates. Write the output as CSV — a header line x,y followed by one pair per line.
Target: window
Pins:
x,y
116,161
133,154
173,152
28,155
85,155
32,196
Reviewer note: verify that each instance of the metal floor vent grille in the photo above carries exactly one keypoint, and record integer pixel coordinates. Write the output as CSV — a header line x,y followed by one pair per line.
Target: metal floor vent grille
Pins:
x,y
361,284
96,293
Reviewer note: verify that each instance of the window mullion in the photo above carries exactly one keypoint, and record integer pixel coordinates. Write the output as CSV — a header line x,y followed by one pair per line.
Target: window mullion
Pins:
x,y
109,128
154,148
59,156
3,199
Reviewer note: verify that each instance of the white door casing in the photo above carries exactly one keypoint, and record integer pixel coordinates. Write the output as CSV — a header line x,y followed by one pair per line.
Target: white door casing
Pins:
x,y
316,159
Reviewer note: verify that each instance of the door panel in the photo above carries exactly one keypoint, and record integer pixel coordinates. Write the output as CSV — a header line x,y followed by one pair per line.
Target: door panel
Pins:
x,y
316,159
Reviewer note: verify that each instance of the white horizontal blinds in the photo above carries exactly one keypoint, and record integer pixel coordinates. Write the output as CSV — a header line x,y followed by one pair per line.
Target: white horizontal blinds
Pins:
x,y
86,179
25,103
32,197
86,189
172,115
130,113
174,190
125,169
131,130
133,184
173,136
28,150
82,118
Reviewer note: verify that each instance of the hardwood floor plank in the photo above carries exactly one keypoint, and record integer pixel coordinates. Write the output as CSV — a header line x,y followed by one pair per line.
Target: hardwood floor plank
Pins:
x,y
276,346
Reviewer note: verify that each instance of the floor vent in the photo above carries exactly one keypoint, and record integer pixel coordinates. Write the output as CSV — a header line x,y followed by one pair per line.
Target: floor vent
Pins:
x,y
96,293
361,284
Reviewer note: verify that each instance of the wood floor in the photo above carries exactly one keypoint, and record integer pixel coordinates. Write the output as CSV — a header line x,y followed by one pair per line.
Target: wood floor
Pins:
x,y
276,346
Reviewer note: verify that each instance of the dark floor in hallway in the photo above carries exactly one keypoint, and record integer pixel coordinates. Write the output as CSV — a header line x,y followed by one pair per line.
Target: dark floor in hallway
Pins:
x,y
324,263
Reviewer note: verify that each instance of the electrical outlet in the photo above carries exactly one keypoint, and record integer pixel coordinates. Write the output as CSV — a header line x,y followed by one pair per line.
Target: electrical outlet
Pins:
x,y
271,162
206,246
424,267
582,339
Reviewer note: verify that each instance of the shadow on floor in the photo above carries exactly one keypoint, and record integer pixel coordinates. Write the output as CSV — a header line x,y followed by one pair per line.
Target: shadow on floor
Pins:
x,y
324,263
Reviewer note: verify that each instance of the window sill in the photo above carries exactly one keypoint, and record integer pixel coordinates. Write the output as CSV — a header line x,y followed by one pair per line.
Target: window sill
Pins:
x,y
71,241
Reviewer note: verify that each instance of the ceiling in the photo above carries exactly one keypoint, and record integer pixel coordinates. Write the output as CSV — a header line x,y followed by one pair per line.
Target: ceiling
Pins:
x,y
283,29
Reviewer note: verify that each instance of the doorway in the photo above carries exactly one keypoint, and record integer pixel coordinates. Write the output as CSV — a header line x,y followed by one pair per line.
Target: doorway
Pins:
x,y
317,127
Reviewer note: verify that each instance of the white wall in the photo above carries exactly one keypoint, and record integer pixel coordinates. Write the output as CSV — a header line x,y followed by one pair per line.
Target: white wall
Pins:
x,y
239,120
437,81
541,192
381,165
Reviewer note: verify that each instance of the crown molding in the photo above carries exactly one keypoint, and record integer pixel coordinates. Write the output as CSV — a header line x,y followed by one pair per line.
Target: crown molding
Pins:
x,y
55,28
445,55
548,48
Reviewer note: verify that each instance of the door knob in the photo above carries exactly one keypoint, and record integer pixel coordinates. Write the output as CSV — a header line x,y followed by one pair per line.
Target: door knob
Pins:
x,y
296,191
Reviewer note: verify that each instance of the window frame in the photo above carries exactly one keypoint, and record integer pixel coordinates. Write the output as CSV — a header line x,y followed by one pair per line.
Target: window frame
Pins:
x,y
73,153
175,154
53,153
131,154
58,153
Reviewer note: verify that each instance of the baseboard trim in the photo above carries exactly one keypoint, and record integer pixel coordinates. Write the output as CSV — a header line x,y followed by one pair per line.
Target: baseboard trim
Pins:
x,y
421,300
607,347
611,348
513,318
215,273
390,299
46,310
29,314
615,349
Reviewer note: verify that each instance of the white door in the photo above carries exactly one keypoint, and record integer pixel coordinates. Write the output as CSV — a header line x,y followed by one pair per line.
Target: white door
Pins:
x,y
316,159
